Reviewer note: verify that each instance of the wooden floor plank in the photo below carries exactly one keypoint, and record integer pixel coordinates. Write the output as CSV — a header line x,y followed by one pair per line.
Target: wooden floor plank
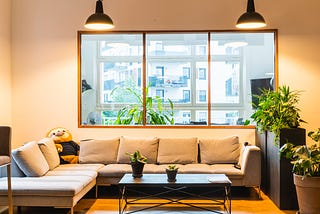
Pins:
x,y
242,203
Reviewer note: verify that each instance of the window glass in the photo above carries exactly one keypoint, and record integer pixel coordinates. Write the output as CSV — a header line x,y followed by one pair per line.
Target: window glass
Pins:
x,y
172,66
225,80
237,60
173,78
226,117
112,71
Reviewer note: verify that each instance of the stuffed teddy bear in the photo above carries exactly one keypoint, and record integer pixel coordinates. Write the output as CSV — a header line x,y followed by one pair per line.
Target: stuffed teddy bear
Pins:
x,y
68,149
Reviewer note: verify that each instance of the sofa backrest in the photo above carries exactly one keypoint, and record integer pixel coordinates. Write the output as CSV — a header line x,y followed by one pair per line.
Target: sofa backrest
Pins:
x,y
33,159
178,150
219,150
99,151
162,150
148,146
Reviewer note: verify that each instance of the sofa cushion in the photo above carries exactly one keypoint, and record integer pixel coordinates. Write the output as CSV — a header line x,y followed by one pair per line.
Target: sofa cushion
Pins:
x,y
242,148
118,170
114,170
79,167
49,152
219,150
99,151
30,160
47,186
177,150
58,173
197,168
227,169
148,147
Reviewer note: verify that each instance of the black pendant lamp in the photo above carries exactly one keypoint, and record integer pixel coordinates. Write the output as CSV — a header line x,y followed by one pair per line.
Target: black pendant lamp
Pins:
x,y
99,20
251,19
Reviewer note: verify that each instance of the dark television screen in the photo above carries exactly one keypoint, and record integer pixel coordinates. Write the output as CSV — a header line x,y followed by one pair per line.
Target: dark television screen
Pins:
x,y
257,85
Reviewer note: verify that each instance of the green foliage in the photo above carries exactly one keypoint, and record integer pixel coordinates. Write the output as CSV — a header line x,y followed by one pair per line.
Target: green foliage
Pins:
x,y
277,110
172,167
315,135
137,157
246,122
305,160
155,113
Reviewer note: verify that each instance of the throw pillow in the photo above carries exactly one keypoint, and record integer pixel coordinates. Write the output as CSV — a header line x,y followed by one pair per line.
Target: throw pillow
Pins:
x,y
219,150
242,150
30,160
49,152
148,147
99,151
178,150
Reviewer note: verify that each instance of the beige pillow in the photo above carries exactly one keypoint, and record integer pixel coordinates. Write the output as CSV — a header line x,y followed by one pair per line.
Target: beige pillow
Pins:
x,y
30,160
219,150
178,150
49,152
243,147
148,147
99,151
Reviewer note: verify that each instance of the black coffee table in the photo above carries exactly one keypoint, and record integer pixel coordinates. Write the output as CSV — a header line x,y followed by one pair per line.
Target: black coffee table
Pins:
x,y
211,183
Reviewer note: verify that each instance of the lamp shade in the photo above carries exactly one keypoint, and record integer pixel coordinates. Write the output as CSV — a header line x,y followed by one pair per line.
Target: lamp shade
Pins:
x,y
99,20
251,19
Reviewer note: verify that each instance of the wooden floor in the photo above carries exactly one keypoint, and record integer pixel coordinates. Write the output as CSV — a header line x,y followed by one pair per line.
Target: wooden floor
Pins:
x,y
244,201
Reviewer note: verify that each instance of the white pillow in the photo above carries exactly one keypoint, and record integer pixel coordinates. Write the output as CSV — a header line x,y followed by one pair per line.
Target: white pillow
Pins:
x,y
148,147
178,150
49,152
99,151
30,160
219,150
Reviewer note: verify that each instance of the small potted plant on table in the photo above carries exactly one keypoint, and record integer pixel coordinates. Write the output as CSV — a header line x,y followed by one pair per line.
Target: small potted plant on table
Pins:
x,y
172,171
137,163
306,172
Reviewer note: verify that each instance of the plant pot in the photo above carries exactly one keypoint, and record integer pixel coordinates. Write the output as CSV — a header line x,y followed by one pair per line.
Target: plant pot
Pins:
x,y
308,193
276,171
171,174
137,169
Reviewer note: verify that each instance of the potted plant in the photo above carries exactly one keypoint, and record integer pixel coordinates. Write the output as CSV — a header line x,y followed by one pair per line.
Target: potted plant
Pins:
x,y
315,135
306,172
277,110
156,113
278,121
172,171
137,161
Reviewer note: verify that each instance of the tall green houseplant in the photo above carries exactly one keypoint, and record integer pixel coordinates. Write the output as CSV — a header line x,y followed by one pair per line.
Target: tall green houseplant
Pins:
x,y
277,110
278,119
156,114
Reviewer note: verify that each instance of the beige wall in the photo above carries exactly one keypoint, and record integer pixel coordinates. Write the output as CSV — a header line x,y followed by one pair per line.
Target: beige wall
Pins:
x,y
44,54
5,62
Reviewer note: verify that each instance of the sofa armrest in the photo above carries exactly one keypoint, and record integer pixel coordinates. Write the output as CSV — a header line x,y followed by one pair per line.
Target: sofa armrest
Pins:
x,y
15,170
251,165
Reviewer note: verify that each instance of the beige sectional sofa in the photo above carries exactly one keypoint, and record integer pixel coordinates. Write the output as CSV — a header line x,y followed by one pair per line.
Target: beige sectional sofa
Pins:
x,y
39,179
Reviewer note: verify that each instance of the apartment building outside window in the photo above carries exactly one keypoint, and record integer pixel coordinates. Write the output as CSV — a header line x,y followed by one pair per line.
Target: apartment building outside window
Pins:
x,y
188,77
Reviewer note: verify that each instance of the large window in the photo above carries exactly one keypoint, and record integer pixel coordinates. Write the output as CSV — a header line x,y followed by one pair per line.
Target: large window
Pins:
x,y
172,79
